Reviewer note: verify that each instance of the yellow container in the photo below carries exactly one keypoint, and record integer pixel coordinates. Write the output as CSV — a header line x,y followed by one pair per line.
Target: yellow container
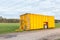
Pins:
x,y
30,21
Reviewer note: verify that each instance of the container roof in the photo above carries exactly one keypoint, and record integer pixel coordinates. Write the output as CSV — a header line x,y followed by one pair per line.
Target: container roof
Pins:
x,y
35,14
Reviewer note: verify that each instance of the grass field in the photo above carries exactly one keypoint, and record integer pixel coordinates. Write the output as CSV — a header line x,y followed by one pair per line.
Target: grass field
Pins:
x,y
57,25
8,27
11,27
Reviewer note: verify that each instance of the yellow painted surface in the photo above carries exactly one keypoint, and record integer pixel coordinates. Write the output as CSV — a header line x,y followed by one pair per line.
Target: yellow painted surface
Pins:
x,y
35,21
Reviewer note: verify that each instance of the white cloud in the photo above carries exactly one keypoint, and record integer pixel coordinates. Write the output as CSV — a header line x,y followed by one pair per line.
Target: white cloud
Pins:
x,y
17,7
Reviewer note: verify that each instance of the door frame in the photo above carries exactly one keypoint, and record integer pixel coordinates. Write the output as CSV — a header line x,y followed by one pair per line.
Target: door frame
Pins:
x,y
45,23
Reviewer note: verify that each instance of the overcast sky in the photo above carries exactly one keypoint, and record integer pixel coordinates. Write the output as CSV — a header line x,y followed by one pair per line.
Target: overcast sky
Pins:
x,y
14,8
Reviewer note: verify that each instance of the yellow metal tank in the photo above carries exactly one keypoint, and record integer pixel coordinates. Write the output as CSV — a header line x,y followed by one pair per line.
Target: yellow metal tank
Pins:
x,y
30,21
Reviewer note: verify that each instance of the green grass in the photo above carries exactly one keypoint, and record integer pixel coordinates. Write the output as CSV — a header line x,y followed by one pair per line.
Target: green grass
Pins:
x,y
8,27
11,27
57,25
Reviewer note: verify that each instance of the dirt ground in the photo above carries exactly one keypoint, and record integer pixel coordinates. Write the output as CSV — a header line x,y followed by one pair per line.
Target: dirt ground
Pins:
x,y
47,34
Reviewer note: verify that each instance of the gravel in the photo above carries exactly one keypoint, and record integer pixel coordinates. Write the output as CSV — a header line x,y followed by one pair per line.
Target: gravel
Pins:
x,y
47,34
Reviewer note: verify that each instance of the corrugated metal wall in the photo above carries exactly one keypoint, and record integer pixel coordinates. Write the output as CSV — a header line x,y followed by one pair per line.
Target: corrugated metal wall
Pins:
x,y
34,21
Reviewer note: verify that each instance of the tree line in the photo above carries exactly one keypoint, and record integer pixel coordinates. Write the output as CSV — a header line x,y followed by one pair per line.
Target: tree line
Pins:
x,y
4,20
57,21
9,20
